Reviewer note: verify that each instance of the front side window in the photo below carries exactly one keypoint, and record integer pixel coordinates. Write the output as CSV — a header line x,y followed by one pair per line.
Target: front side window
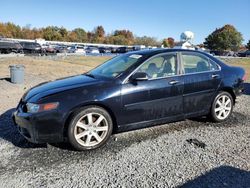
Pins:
x,y
192,63
160,66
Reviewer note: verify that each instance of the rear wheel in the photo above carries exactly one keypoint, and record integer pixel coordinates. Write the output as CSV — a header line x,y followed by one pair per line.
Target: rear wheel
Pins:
x,y
90,128
222,107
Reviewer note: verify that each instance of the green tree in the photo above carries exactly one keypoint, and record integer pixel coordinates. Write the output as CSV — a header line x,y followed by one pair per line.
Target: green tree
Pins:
x,y
225,38
34,33
52,33
10,30
99,34
126,37
168,42
99,31
72,36
165,43
80,35
118,39
248,45
171,42
147,41
90,36
64,33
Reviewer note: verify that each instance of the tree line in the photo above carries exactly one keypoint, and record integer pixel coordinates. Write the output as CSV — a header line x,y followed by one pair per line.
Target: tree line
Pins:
x,y
54,33
222,39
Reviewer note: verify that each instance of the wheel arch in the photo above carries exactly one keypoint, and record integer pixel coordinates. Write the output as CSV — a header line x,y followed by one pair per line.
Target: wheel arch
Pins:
x,y
230,91
98,104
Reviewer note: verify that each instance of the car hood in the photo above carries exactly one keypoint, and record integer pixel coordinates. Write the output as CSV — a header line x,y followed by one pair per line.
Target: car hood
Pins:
x,y
59,85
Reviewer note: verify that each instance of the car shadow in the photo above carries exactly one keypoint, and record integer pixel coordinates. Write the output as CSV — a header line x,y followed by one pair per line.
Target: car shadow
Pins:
x,y
247,88
223,176
235,118
9,132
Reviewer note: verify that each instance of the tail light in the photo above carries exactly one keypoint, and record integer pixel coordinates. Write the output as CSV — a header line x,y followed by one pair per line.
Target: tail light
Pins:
x,y
244,77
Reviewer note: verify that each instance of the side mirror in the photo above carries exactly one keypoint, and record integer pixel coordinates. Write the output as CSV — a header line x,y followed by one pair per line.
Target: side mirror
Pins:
x,y
139,76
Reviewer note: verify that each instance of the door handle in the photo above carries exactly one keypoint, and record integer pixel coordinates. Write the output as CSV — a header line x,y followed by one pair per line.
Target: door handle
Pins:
x,y
215,75
173,82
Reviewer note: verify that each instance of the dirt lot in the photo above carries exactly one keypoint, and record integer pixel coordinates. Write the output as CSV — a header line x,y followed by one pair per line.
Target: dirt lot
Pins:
x,y
153,157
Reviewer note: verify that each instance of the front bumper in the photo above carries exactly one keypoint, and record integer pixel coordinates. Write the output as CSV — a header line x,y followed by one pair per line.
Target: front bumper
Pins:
x,y
39,128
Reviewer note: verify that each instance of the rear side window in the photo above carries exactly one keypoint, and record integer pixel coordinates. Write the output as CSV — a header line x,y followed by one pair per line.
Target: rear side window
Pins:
x,y
192,63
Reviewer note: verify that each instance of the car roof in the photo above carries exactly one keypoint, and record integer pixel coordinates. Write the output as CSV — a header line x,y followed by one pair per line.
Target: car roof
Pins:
x,y
156,51
152,52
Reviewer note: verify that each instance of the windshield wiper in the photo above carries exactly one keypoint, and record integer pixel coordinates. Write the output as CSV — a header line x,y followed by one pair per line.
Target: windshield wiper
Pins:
x,y
90,75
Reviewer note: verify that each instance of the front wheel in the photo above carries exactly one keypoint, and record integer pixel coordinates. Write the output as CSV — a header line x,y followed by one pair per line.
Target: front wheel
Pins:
x,y
90,128
222,107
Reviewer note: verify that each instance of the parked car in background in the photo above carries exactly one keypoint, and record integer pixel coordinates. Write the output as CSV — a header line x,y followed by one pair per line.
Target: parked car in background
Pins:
x,y
92,50
71,49
104,49
77,49
139,47
50,49
7,47
61,49
124,49
131,91
231,54
244,53
223,53
32,48
218,53
113,49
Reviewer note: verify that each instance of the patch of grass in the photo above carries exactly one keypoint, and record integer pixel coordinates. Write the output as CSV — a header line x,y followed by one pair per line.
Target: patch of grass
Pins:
x,y
86,60
239,62
71,65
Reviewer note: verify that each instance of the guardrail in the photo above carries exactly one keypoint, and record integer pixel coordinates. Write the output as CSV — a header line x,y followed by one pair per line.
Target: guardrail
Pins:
x,y
41,41
55,55
87,54
229,57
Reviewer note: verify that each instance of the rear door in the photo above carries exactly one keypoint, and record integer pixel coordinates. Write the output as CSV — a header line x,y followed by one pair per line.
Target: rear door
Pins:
x,y
201,77
159,97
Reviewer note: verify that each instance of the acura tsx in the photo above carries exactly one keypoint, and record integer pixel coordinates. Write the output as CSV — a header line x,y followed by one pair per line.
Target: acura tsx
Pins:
x,y
130,91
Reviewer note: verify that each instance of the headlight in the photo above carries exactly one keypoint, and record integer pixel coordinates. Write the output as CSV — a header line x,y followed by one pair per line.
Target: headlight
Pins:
x,y
34,108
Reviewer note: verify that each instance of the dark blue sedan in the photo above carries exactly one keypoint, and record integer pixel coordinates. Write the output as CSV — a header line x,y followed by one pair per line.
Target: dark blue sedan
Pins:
x,y
131,91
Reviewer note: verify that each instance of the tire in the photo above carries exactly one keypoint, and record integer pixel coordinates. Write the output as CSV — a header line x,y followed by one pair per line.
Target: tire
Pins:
x,y
89,128
222,110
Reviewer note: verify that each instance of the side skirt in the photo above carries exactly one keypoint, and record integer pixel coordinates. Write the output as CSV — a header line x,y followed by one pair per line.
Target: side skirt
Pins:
x,y
150,123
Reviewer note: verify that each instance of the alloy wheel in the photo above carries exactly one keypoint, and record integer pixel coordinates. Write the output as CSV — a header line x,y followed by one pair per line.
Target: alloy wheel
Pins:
x,y
223,107
91,129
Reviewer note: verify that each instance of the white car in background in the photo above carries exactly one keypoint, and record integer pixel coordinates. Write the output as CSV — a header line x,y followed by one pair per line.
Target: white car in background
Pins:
x,y
77,49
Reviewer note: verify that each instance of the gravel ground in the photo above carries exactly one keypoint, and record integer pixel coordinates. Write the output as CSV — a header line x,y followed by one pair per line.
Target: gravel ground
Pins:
x,y
153,157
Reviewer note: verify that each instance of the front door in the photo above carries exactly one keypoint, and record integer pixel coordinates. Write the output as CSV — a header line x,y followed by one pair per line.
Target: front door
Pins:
x,y
159,97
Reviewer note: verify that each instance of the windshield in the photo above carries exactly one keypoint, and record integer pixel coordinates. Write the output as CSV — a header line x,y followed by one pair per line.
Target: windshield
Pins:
x,y
117,65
